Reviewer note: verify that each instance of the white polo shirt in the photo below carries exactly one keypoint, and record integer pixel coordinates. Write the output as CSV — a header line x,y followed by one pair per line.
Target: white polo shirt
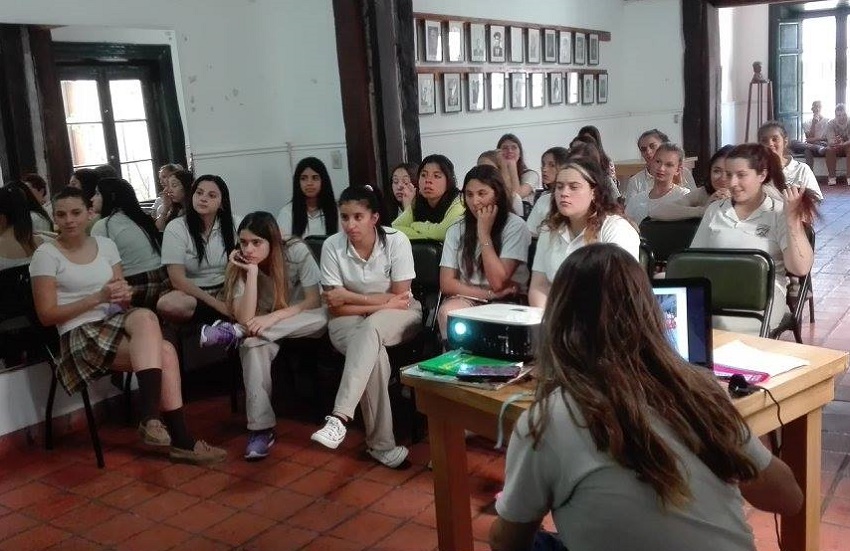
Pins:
x,y
539,213
315,222
389,262
515,242
137,254
800,175
643,181
178,248
531,178
765,229
554,248
301,272
642,205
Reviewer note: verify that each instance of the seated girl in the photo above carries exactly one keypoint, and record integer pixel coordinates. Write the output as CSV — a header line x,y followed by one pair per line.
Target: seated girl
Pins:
x,y
366,274
41,221
78,285
402,188
585,144
666,166
642,181
17,240
177,186
484,255
39,189
162,203
773,135
583,211
651,440
272,288
134,233
606,162
753,219
194,251
552,160
493,158
517,176
312,210
693,204
437,205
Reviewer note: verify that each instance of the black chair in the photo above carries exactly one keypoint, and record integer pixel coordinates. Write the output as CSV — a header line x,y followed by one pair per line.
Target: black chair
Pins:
x,y
315,243
647,258
667,237
741,280
797,300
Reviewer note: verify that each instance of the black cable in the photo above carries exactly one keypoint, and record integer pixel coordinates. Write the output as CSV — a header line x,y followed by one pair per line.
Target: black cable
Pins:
x,y
778,451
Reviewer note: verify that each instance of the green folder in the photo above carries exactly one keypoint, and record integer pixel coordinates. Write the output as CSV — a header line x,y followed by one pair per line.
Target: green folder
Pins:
x,y
450,362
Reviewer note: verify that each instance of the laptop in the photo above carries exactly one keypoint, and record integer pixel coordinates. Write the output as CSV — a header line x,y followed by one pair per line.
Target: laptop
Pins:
x,y
686,305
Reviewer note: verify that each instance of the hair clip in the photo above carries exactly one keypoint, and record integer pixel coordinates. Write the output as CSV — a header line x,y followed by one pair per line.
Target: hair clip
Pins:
x,y
369,187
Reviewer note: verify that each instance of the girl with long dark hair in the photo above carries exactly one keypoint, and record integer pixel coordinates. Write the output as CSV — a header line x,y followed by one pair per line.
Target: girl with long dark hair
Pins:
x,y
437,205
516,174
195,249
773,135
41,221
123,221
17,240
402,188
175,192
625,441
484,254
312,210
366,274
550,162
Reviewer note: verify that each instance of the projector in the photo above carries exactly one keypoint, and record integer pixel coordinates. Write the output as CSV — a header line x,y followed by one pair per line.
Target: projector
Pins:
x,y
501,331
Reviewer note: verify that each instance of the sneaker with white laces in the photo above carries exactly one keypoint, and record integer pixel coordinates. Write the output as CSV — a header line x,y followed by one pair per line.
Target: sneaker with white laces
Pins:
x,y
221,333
332,434
391,458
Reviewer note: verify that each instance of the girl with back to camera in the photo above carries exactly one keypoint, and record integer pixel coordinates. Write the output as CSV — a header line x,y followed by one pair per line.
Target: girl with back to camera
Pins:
x,y
272,288
484,254
17,240
366,274
583,211
76,282
136,237
753,218
312,210
195,248
41,221
437,205
653,441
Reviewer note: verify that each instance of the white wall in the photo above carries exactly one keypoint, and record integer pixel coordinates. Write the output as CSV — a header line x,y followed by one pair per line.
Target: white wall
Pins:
x,y
259,81
743,40
643,59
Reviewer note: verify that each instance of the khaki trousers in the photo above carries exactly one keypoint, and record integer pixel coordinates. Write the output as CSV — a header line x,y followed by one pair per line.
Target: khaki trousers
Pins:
x,y
364,341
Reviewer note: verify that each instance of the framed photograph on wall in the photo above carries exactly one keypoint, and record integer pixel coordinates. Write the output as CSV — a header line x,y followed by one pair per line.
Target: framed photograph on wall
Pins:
x,y
497,91
427,94
602,88
516,45
565,51
587,88
550,46
497,44
477,43
451,93
433,41
455,41
533,49
519,91
572,88
475,89
556,88
579,49
593,49
538,89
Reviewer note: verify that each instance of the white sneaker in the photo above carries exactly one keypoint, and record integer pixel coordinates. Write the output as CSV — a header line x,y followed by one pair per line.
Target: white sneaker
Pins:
x,y
831,182
332,434
391,458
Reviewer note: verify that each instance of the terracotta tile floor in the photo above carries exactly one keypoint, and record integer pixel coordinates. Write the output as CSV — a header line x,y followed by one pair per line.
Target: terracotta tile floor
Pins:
x,y
305,497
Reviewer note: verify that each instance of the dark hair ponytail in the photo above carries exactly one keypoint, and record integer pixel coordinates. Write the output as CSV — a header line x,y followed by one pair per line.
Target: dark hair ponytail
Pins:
x,y
119,195
369,196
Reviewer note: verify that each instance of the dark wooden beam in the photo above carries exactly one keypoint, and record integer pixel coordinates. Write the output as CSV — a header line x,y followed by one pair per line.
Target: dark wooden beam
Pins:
x,y
17,121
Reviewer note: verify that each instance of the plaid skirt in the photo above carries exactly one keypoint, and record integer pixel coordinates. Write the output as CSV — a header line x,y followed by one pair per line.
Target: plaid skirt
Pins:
x,y
147,287
87,351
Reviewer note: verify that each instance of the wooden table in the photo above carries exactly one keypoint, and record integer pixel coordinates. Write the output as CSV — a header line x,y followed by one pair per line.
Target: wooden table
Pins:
x,y
802,393
627,169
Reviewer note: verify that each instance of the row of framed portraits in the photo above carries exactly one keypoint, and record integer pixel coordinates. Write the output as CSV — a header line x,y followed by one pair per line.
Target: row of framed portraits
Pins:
x,y
517,89
456,42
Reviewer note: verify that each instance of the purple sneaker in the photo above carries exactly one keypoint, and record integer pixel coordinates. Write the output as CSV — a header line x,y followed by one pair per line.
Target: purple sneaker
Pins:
x,y
259,443
223,333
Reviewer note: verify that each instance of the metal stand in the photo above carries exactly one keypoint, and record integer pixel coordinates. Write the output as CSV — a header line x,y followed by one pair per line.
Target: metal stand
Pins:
x,y
762,100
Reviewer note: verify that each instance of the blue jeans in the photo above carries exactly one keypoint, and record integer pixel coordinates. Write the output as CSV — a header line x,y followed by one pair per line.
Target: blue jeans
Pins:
x,y
545,541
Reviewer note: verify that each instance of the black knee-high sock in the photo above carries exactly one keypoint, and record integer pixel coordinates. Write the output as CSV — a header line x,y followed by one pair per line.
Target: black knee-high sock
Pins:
x,y
175,421
150,389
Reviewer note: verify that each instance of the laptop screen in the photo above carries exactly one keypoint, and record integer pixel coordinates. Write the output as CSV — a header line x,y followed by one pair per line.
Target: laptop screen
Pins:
x,y
686,305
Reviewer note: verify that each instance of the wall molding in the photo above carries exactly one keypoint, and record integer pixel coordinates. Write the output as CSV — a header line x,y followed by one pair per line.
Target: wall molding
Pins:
x,y
267,150
549,122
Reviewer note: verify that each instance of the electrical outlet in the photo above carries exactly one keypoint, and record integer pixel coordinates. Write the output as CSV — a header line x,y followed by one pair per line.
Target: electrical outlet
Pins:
x,y
336,159
676,118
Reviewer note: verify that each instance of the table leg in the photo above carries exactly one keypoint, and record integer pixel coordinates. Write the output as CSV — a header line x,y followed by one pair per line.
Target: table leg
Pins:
x,y
801,449
451,485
